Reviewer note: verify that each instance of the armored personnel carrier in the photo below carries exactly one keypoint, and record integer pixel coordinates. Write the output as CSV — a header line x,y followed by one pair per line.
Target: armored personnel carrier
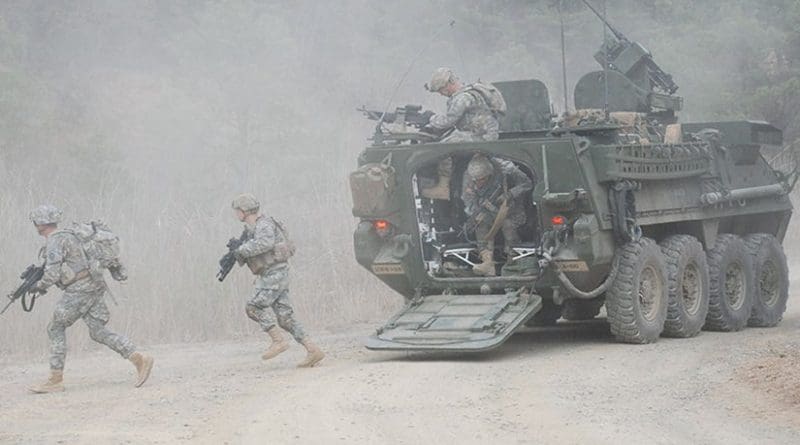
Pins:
x,y
672,227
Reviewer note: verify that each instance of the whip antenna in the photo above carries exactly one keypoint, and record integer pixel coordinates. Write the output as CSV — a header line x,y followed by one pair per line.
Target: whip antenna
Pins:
x,y
605,64
563,59
405,75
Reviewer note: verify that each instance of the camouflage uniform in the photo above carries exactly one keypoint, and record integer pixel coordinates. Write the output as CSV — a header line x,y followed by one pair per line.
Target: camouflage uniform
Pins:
x,y
67,267
518,183
468,112
272,282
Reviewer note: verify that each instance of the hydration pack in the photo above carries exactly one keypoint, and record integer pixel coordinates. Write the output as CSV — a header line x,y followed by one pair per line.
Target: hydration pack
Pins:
x,y
284,248
491,95
101,245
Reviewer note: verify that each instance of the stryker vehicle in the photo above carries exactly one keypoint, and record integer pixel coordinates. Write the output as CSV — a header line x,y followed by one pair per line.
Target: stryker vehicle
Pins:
x,y
672,227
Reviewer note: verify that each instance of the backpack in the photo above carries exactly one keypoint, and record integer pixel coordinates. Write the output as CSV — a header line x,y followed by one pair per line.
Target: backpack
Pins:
x,y
284,248
491,95
101,245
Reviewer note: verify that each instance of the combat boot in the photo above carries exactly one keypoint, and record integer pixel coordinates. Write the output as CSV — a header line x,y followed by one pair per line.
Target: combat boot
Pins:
x,y
54,384
486,268
279,344
313,357
143,364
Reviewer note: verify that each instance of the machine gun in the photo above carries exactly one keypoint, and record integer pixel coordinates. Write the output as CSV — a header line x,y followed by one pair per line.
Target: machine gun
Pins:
x,y
228,260
30,277
408,115
625,56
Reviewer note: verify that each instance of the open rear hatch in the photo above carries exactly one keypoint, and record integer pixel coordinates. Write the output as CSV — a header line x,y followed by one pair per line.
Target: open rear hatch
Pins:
x,y
456,322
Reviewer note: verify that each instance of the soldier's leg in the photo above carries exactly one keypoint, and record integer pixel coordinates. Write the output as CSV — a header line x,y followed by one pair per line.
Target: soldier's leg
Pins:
x,y
510,230
285,313
485,249
96,320
68,310
259,308
286,320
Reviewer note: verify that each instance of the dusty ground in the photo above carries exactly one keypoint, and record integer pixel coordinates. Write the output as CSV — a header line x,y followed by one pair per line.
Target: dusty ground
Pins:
x,y
568,384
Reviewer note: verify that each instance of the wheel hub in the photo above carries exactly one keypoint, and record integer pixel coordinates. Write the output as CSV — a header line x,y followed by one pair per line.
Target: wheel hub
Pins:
x,y
735,287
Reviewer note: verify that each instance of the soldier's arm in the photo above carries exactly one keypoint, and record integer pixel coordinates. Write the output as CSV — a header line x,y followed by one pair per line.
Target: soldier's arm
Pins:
x,y
54,257
523,183
263,240
455,111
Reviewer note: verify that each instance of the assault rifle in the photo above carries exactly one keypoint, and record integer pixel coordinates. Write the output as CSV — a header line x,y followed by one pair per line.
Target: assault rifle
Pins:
x,y
488,207
30,277
409,115
228,260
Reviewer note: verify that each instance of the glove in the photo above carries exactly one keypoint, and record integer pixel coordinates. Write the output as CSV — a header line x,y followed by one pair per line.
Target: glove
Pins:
x,y
486,204
119,273
38,288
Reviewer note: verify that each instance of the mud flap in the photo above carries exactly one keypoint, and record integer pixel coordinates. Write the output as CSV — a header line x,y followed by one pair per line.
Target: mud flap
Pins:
x,y
469,323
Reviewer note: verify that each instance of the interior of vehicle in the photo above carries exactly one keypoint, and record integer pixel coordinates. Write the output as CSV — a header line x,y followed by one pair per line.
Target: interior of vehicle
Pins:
x,y
448,250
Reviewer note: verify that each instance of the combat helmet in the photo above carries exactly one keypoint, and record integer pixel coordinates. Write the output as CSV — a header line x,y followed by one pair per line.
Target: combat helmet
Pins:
x,y
440,78
479,167
46,214
246,203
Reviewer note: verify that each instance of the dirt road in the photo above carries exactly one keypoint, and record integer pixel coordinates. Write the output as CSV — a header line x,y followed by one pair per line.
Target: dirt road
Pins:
x,y
568,384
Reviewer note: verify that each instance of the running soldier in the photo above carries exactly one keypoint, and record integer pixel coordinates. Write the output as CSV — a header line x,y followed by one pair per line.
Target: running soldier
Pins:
x,y
266,253
67,266
494,193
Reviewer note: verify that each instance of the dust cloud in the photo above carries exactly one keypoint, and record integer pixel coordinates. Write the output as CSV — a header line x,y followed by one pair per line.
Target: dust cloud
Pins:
x,y
151,115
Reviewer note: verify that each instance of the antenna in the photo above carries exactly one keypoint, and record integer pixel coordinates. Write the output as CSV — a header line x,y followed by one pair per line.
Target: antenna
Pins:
x,y
405,75
605,66
563,59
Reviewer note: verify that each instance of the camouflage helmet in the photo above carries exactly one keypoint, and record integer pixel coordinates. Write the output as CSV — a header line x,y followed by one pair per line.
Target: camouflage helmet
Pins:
x,y
246,203
440,78
46,214
479,167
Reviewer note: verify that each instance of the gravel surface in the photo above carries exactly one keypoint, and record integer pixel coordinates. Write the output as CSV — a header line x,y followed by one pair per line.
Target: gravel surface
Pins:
x,y
566,384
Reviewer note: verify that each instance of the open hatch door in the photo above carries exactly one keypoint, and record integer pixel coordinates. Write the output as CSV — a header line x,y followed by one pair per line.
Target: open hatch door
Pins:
x,y
469,323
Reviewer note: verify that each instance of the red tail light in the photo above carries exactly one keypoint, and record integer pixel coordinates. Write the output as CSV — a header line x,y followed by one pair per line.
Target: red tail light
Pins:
x,y
382,227
558,220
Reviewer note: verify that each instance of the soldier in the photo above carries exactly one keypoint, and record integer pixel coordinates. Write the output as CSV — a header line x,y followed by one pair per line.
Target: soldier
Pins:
x,y
262,253
67,266
469,116
490,184
468,111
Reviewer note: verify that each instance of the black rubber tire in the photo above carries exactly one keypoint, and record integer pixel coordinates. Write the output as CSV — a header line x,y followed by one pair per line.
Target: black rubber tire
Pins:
x,y
729,302
771,280
687,284
579,309
634,318
548,315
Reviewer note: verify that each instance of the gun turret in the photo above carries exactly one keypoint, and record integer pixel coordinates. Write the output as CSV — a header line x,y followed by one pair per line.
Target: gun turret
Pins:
x,y
626,56
628,62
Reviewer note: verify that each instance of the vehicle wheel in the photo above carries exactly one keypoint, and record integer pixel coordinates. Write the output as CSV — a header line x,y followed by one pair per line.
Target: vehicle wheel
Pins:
x,y
548,315
575,310
771,280
687,285
731,284
637,299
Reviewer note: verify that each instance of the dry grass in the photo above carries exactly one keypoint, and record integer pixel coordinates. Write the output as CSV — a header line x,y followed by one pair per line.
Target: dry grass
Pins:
x,y
172,241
